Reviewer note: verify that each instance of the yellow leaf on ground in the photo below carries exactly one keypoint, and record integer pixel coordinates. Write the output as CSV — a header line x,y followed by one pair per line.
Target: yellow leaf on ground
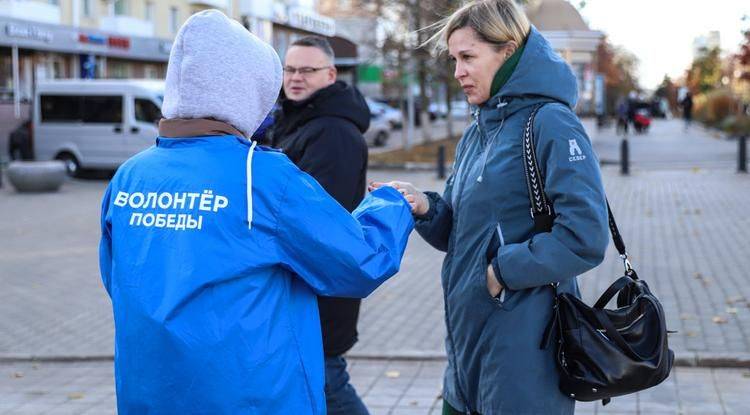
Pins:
x,y
392,374
75,395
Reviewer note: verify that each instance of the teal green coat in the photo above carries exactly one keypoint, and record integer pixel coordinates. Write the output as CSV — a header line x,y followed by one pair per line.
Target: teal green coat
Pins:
x,y
495,364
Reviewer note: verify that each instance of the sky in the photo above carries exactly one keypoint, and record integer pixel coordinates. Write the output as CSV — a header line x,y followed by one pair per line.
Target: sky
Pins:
x,y
661,32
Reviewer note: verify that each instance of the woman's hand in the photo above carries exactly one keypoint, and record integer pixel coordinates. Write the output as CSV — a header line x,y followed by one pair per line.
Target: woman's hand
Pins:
x,y
416,198
493,285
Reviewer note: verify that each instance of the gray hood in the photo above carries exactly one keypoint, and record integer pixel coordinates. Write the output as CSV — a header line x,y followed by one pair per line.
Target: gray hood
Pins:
x,y
217,69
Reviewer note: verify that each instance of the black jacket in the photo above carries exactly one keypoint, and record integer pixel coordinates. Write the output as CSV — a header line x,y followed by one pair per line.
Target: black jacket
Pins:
x,y
323,137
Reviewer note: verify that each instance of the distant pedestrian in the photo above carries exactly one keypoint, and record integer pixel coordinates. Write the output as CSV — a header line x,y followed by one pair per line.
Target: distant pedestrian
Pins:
x,y
687,109
623,110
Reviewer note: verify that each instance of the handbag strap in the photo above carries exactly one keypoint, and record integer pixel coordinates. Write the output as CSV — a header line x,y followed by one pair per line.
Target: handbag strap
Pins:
x,y
613,289
542,212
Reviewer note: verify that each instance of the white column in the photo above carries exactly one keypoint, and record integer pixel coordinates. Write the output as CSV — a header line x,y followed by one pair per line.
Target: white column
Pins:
x,y
16,84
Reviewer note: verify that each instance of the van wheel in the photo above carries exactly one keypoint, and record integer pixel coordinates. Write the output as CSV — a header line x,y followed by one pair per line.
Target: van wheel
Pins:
x,y
72,166
381,139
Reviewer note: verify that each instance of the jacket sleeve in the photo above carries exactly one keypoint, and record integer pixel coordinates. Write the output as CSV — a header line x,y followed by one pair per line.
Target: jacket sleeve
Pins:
x,y
436,225
580,233
337,253
335,156
105,243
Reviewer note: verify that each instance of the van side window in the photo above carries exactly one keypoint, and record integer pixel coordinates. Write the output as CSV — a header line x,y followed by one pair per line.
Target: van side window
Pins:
x,y
102,109
75,108
146,111
60,108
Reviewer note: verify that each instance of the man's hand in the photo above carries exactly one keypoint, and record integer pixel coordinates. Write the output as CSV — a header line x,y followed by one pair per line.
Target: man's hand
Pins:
x,y
416,198
493,285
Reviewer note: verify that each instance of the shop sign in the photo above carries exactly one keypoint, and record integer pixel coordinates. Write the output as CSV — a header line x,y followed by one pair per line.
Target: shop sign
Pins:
x,y
116,42
28,32
311,21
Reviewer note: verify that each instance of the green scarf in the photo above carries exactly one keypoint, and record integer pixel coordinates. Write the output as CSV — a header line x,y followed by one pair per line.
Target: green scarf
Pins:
x,y
506,70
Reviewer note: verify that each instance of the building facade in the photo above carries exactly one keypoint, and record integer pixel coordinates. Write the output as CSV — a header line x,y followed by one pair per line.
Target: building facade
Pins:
x,y
571,37
129,39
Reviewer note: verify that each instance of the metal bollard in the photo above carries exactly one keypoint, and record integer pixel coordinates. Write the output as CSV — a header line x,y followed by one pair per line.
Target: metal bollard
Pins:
x,y
441,162
742,154
624,157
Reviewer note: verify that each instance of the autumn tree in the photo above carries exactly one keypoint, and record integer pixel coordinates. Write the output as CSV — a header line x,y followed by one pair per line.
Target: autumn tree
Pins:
x,y
619,69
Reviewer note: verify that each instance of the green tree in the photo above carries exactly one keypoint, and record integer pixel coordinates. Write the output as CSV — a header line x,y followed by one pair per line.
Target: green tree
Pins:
x,y
704,74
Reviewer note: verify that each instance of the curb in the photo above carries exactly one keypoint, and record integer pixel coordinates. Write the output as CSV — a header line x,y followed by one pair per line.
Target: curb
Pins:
x,y
432,167
409,166
682,359
20,357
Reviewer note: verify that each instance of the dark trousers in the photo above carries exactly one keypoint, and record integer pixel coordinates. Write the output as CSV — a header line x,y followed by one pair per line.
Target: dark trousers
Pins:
x,y
449,410
341,398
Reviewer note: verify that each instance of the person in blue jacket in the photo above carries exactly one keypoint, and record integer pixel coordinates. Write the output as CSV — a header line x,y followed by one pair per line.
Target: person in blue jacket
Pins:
x,y
497,270
213,249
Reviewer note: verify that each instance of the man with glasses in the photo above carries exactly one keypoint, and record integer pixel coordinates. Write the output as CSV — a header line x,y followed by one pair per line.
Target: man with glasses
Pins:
x,y
319,126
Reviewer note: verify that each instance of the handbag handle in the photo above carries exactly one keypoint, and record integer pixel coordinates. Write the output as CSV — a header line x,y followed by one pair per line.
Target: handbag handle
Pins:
x,y
613,289
542,212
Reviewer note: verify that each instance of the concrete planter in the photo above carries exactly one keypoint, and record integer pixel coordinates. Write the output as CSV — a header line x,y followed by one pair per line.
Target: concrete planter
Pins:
x,y
36,176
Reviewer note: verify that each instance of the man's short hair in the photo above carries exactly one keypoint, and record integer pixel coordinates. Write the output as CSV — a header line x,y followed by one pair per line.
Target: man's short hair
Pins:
x,y
316,42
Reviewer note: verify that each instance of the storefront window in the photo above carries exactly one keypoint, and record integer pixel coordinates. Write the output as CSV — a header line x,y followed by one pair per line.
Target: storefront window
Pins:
x,y
118,70
6,76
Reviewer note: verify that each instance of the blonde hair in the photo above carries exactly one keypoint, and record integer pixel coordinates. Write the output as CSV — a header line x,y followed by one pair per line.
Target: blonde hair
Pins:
x,y
494,21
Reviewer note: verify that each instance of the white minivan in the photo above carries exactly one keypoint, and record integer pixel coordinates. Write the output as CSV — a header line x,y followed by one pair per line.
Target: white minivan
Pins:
x,y
95,124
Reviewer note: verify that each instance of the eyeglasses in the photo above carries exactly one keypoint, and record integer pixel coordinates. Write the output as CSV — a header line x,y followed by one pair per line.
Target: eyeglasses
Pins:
x,y
305,70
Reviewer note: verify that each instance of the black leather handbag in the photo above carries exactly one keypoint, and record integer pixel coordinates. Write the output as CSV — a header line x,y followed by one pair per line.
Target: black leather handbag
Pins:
x,y
601,353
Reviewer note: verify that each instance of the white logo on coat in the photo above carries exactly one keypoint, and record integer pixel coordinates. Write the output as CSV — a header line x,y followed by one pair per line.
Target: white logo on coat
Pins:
x,y
575,151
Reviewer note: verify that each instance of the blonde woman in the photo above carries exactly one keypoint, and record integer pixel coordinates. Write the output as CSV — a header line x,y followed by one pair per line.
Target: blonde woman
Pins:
x,y
498,269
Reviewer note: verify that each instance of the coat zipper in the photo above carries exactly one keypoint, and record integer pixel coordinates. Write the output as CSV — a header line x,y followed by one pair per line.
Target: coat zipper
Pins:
x,y
460,188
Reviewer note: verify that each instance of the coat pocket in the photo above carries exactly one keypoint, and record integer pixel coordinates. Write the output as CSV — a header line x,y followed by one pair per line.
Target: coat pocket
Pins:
x,y
493,242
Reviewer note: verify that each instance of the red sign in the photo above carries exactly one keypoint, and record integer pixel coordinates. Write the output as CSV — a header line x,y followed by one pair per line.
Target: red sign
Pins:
x,y
119,42
111,41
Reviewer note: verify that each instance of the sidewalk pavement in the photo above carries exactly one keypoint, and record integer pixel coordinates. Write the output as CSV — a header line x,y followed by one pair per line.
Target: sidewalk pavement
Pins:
x,y
387,387
667,146
686,230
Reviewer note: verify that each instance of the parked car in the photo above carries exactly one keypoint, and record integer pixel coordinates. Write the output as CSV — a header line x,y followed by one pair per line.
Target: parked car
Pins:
x,y
459,109
379,132
95,124
392,115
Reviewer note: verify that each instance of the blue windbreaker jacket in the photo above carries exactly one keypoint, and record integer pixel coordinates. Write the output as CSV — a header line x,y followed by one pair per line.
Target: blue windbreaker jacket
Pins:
x,y
213,251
